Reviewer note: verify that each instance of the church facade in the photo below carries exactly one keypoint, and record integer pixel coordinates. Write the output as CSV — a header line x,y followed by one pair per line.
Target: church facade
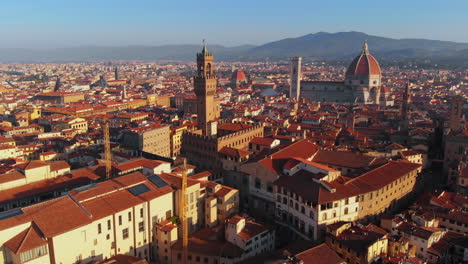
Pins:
x,y
362,83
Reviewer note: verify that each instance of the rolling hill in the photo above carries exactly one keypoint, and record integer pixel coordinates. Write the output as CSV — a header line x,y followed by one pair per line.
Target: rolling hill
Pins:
x,y
317,46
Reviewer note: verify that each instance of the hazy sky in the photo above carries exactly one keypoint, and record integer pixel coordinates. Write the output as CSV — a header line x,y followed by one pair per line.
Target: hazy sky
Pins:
x,y
59,23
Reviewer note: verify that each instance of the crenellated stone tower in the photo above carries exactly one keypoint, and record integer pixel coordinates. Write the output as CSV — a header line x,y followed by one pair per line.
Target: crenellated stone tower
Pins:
x,y
205,89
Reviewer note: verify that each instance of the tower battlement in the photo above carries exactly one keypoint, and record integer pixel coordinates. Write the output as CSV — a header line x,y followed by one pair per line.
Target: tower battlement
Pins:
x,y
240,133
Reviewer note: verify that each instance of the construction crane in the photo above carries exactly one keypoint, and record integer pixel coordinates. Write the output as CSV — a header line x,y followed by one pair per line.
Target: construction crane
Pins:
x,y
107,148
183,214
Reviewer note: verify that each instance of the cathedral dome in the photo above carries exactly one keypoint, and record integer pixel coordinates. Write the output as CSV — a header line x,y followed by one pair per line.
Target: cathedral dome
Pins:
x,y
364,64
239,75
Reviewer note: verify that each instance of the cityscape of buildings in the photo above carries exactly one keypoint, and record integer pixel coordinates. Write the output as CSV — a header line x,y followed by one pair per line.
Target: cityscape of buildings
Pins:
x,y
233,162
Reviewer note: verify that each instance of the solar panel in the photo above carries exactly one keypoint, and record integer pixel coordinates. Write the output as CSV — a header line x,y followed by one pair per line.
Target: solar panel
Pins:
x,y
86,187
139,189
10,213
157,180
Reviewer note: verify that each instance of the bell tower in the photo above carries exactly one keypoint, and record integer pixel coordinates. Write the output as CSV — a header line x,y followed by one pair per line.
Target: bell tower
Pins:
x,y
456,113
405,108
295,87
205,89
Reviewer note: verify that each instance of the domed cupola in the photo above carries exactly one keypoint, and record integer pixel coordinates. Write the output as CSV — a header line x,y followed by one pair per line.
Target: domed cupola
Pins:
x,y
363,65
363,75
238,79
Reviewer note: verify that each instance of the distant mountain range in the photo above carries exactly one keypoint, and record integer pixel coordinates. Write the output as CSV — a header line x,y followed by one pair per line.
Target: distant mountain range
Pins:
x,y
317,46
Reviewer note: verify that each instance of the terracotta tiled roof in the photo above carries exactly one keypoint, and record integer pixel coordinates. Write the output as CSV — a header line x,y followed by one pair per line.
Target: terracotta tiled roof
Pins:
x,y
233,152
364,64
320,254
345,159
238,75
32,164
315,164
360,239
26,240
302,183
251,229
262,141
224,191
176,181
233,126
11,176
59,165
394,146
75,178
301,149
204,242
410,152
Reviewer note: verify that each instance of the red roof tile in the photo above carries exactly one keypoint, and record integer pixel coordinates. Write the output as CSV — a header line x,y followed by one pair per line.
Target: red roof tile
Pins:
x,y
320,254
26,240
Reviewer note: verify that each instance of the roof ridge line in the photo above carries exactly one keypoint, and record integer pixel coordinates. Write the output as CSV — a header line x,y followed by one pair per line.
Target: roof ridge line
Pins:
x,y
24,238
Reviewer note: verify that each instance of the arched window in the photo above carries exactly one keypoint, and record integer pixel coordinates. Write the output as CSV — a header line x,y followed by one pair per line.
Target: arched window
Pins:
x,y
208,69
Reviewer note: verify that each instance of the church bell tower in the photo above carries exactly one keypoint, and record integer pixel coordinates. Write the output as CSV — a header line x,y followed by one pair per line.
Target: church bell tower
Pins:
x,y
205,90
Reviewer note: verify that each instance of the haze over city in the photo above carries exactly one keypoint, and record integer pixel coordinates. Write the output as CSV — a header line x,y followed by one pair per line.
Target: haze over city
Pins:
x,y
220,132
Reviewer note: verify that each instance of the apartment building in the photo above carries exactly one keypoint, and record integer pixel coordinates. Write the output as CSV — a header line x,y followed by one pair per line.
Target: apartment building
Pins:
x,y
209,204
13,131
421,237
262,173
154,139
102,219
80,124
308,201
42,190
176,139
31,172
357,244
251,237
7,152
226,243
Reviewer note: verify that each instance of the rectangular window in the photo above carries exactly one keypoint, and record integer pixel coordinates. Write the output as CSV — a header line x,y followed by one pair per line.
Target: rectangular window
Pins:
x,y
108,224
120,220
125,233
270,187
99,229
258,183
33,253
141,212
129,216
141,226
